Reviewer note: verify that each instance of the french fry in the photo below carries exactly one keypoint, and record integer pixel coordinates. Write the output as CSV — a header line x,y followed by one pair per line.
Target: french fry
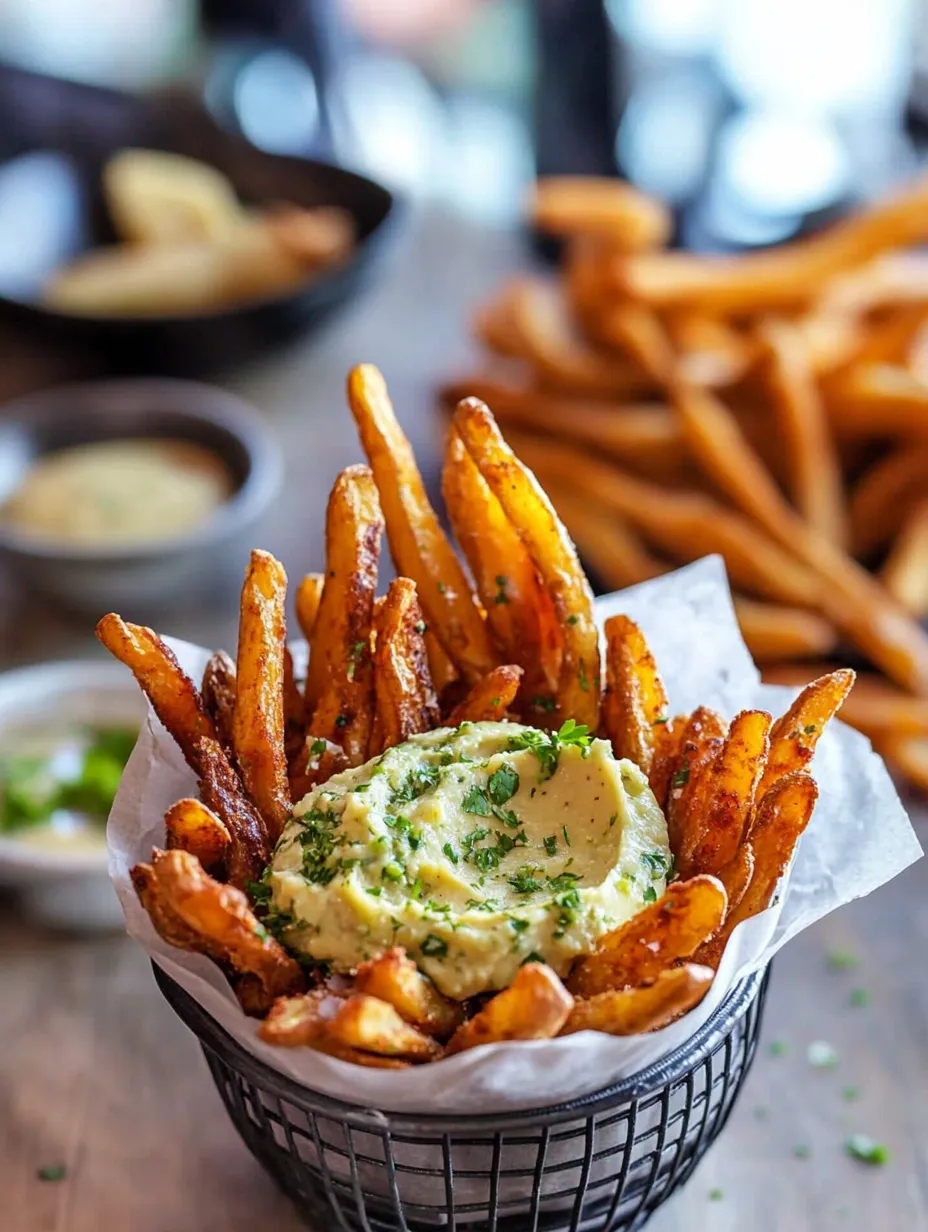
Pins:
x,y
794,735
605,541
166,922
687,914
218,693
340,681
711,351
258,721
905,572
405,698
878,400
298,1022
631,1011
635,330
393,977
493,325
534,1006
611,209
874,706
635,700
489,699
294,709
731,783
172,694
222,793
884,496
815,477
371,1025
703,735
190,826
552,552
308,598
668,741
909,754
774,633
736,876
419,547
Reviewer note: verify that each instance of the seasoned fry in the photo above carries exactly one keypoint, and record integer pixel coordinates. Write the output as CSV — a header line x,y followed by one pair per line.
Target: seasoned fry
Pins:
x,y
612,209
702,737
552,552
190,826
605,541
308,598
878,400
668,741
489,699
736,876
634,700
905,573
395,978
405,698
815,474
729,801
340,681
882,499
172,694
653,940
370,1025
296,1022
258,723
294,709
419,547
774,633
795,734
873,706
711,351
534,1006
636,331
218,693
166,922
631,1011
222,793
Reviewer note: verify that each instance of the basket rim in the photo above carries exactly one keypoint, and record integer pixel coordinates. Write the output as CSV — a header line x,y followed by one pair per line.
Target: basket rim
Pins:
x,y
681,1060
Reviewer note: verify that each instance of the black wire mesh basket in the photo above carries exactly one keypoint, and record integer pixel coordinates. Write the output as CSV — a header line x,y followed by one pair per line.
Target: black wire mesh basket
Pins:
x,y
605,1161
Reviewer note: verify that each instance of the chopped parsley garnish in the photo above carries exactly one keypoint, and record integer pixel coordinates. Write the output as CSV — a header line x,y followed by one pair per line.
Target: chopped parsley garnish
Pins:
x,y
850,1095
544,703
355,655
810,728
475,836
581,676
317,747
801,1151
434,947
259,891
863,1148
842,960
417,782
567,904
420,626
534,956
566,836
341,720
503,784
547,745
506,816
480,904
650,895
375,891
613,819
551,844
573,618
476,802
318,840
682,776
516,924
450,853
52,1172
664,718
393,871
441,587
525,881
778,1048
501,583
859,997
563,881
656,863
716,1195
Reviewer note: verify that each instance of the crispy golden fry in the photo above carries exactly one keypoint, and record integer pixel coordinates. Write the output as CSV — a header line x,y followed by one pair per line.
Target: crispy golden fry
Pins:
x,y
519,610
888,338
166,922
884,496
298,1022
258,723
489,699
873,706
294,709
878,400
371,1025
218,693
220,914
534,1006
308,598
685,525
731,783
395,978
222,793
552,552
172,694
626,217
605,540
419,546
830,335
191,826
668,741
774,633
891,280
736,876
323,758
340,682
636,331
795,734
405,698
703,735
632,1011
905,573
634,700
909,754
493,325
710,350
785,276
815,474
653,940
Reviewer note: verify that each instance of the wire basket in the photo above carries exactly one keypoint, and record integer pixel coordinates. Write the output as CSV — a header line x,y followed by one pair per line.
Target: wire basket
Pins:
x,y
605,1161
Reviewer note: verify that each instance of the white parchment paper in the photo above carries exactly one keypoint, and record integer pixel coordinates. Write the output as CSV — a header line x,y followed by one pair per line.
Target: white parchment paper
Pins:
x,y
859,838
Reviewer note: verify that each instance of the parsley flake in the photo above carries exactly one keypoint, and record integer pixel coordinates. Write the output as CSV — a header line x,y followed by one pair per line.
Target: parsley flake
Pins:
x,y
864,1149
52,1172
450,853
650,895
551,844
476,802
503,784
434,947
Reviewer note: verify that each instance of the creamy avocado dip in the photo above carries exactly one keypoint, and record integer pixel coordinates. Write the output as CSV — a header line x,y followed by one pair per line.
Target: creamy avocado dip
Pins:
x,y
477,848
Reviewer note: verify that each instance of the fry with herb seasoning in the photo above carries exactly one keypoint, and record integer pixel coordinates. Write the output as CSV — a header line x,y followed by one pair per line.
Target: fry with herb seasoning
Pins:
x,y
534,1006
405,698
647,1007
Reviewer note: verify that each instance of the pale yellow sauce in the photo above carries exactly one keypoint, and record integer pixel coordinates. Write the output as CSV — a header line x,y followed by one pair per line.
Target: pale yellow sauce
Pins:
x,y
118,492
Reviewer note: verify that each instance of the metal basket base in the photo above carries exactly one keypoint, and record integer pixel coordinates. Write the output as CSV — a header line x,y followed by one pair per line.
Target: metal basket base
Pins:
x,y
601,1163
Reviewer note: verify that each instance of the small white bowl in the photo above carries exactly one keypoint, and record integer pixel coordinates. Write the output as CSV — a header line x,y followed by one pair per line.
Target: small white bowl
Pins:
x,y
66,889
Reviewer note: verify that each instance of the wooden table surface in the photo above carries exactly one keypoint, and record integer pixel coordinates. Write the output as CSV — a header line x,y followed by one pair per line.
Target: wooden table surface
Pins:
x,y
96,1074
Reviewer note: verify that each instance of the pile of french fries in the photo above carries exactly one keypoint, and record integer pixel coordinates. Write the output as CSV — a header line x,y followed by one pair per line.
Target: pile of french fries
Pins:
x,y
439,649
771,407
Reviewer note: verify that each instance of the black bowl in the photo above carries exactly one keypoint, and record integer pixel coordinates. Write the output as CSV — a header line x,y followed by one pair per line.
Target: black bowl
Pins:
x,y
55,139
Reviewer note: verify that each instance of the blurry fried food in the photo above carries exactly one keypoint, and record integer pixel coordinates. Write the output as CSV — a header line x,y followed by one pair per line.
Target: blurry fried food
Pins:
x,y
636,331
606,541
222,793
315,237
794,735
608,208
878,400
711,351
552,553
155,197
340,680
489,699
258,724
910,755
659,935
905,572
631,1011
308,597
190,826
393,977
405,698
883,497
218,693
702,737
635,700
774,633
534,1006
173,695
418,545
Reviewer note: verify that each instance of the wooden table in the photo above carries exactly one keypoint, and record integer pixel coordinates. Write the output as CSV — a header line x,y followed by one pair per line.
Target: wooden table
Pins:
x,y
96,1073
